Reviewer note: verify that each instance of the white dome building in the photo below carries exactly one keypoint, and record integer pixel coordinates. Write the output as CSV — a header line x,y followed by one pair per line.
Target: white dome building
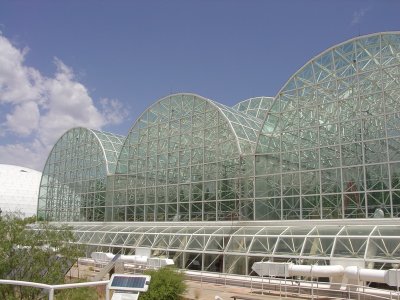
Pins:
x,y
19,189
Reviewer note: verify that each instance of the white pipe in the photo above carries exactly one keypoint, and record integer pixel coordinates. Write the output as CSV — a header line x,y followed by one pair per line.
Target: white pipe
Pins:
x,y
106,257
327,271
354,272
351,272
101,256
134,259
315,270
289,269
372,275
299,270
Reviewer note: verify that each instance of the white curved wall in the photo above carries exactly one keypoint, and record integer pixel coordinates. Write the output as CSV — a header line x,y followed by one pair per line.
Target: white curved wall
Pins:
x,y
19,188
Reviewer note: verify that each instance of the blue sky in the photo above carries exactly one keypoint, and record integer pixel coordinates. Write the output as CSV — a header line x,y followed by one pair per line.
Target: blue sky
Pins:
x,y
100,64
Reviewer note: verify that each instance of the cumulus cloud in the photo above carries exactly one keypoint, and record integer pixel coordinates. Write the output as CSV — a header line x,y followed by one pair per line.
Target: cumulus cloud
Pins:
x,y
32,155
40,109
18,83
113,110
358,15
24,119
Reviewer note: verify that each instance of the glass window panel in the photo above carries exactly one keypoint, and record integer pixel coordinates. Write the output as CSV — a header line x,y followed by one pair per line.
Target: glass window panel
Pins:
x,y
350,247
289,245
318,246
263,244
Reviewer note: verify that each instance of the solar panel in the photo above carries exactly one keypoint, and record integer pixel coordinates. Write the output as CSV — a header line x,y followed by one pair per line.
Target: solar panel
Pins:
x,y
128,282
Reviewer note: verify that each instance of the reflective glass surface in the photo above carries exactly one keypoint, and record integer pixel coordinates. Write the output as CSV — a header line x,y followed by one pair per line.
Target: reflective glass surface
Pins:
x,y
329,147
240,246
182,161
318,166
256,107
73,185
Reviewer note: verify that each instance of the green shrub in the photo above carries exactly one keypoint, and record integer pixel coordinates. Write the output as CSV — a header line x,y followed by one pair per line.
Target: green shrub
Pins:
x,y
165,284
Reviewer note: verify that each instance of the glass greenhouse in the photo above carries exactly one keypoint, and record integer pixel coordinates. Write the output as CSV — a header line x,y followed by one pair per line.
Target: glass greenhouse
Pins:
x,y
73,185
309,176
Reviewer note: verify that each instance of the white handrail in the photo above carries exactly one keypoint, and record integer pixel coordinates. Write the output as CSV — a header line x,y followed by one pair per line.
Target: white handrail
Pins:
x,y
26,283
302,285
52,288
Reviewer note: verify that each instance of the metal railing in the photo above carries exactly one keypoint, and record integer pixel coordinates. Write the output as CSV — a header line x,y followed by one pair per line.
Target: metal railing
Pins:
x,y
294,287
281,287
51,288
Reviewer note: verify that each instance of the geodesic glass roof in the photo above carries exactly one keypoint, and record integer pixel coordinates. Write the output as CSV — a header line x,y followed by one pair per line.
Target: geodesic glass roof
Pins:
x,y
245,126
256,107
181,161
73,182
111,144
329,143
348,80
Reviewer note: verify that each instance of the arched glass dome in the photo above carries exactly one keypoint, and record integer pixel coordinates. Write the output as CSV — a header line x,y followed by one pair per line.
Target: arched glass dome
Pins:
x,y
73,184
322,187
329,143
182,161
256,107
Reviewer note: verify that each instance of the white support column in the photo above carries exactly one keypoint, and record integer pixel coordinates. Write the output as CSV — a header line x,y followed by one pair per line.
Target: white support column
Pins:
x,y
51,294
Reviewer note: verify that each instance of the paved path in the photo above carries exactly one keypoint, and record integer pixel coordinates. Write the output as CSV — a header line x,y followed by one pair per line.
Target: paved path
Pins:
x,y
208,291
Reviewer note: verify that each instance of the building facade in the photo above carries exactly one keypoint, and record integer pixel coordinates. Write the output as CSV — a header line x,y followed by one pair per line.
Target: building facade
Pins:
x,y
19,189
310,176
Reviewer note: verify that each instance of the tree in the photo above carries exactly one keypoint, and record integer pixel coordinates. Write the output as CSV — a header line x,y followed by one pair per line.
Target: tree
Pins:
x,y
40,253
165,284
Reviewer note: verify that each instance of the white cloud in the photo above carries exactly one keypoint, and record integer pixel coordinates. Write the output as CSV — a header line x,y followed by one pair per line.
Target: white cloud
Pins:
x,y
68,105
43,108
113,110
31,155
18,83
359,14
24,119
